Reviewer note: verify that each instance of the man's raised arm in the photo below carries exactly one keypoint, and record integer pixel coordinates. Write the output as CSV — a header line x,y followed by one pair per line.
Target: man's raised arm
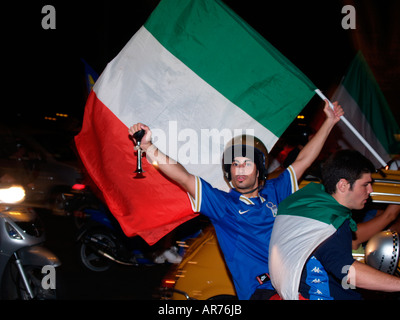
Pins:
x,y
312,149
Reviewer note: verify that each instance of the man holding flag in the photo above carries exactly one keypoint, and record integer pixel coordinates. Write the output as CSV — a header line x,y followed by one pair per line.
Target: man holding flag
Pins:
x,y
243,218
311,243
196,65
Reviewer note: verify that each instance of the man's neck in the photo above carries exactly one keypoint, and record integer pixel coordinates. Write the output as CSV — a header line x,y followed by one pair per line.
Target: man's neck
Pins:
x,y
252,193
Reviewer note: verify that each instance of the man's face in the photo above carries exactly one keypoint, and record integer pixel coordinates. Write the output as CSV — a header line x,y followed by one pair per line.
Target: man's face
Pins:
x,y
356,197
244,174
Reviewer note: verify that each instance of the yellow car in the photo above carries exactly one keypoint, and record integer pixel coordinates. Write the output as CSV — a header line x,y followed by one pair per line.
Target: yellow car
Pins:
x,y
203,275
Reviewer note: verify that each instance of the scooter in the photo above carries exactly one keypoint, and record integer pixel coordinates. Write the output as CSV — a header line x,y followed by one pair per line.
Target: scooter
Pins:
x,y
101,241
27,269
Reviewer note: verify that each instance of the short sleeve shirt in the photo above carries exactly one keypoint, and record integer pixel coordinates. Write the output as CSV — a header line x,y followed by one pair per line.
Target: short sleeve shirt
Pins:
x,y
244,225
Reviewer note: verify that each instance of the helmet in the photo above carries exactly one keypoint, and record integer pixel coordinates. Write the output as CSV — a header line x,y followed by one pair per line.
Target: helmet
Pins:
x,y
246,146
382,252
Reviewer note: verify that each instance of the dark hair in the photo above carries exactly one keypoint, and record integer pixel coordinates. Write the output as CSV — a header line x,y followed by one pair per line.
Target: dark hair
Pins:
x,y
344,164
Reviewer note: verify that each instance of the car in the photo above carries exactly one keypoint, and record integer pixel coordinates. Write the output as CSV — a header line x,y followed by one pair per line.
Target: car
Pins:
x,y
41,161
203,275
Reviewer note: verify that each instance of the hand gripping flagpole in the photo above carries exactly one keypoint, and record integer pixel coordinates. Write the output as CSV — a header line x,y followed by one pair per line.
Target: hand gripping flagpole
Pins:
x,y
350,126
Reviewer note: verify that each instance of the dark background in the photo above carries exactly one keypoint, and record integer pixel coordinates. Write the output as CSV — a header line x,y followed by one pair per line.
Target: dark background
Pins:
x,y
44,72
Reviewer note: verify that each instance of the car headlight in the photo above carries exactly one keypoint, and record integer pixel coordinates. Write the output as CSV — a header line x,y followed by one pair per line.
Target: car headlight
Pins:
x,y
12,194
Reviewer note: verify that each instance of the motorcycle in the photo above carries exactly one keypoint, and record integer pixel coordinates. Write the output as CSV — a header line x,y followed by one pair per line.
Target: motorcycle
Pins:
x,y
27,269
102,243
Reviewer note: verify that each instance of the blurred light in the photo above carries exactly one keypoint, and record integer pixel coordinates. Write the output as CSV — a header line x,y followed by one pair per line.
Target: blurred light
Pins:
x,y
14,213
300,116
12,194
168,283
61,115
78,186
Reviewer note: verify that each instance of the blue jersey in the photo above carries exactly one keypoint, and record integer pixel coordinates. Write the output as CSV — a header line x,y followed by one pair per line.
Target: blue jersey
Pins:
x,y
325,271
244,225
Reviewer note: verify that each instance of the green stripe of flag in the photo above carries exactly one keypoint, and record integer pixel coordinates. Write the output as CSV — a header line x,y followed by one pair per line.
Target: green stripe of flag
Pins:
x,y
308,201
362,86
233,58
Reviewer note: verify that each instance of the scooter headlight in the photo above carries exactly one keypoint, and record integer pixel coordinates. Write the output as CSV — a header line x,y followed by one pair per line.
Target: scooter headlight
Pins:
x,y
12,232
12,194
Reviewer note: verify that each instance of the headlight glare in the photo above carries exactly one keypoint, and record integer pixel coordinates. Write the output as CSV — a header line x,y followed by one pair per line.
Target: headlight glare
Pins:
x,y
12,194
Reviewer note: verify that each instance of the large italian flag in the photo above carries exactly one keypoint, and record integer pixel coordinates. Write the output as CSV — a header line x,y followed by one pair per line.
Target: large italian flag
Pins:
x,y
197,75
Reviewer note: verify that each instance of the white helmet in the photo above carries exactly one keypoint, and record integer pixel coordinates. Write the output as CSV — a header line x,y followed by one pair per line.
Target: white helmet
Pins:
x,y
382,252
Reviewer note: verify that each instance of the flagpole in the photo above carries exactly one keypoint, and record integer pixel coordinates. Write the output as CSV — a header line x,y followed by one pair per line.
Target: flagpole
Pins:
x,y
358,135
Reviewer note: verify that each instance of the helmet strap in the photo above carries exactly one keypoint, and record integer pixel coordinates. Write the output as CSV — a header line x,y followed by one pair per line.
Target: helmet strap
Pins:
x,y
251,191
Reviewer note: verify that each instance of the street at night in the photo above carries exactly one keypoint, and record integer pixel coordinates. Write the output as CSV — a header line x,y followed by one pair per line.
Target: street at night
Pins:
x,y
86,79
76,283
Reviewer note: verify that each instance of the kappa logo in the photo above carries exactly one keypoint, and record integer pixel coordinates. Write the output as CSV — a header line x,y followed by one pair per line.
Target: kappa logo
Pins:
x,y
316,270
243,212
318,292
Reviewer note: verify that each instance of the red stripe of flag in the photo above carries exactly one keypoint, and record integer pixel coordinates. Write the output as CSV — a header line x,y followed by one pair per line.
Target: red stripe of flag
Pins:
x,y
104,147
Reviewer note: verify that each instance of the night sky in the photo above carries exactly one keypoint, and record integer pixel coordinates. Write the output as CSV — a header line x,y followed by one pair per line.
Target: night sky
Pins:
x,y
46,72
